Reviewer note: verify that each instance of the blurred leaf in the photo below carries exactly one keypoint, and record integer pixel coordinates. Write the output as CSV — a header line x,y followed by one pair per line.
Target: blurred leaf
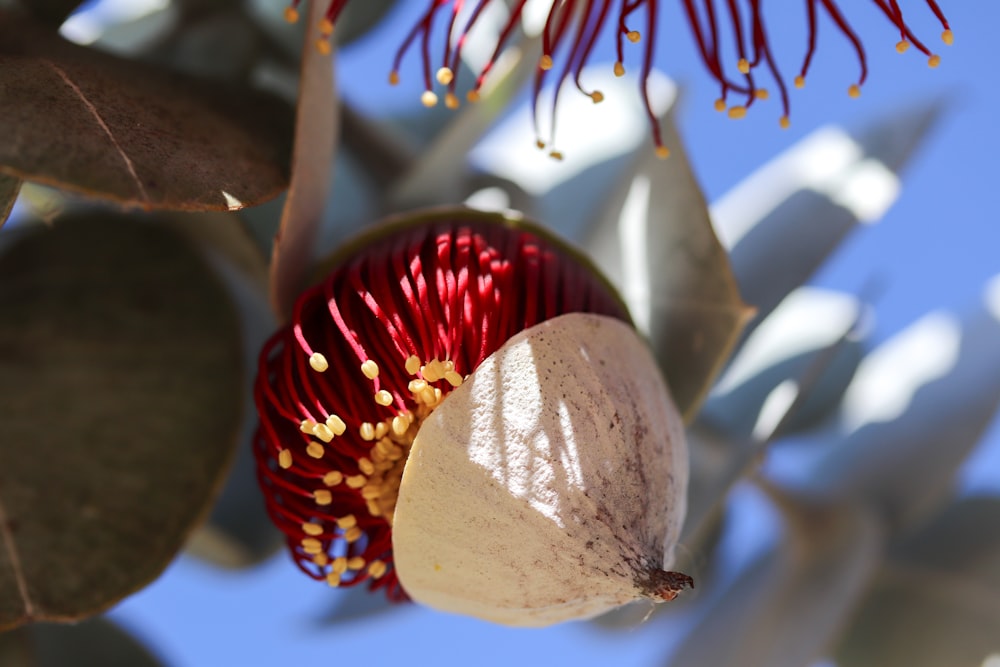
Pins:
x,y
937,602
316,129
440,174
106,127
807,339
10,186
120,377
783,221
52,12
238,533
93,643
656,241
917,406
360,17
786,607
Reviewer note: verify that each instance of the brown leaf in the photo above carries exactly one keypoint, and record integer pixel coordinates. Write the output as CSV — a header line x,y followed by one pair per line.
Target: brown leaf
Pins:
x,y
316,126
120,395
10,186
121,130
674,274
53,12
93,643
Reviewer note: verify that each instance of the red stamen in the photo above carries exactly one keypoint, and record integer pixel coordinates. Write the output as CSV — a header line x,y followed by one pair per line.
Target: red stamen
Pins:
x,y
594,15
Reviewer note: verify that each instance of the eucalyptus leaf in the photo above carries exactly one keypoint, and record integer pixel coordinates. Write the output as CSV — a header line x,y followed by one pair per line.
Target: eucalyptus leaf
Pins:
x,y
937,601
440,174
783,221
787,606
808,338
115,334
10,186
917,406
360,17
52,12
93,643
316,130
111,128
655,240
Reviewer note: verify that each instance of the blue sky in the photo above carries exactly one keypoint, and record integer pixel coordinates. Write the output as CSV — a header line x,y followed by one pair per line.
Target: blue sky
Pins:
x,y
935,248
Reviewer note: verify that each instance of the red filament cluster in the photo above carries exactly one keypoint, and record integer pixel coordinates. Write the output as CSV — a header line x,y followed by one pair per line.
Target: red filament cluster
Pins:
x,y
370,351
573,27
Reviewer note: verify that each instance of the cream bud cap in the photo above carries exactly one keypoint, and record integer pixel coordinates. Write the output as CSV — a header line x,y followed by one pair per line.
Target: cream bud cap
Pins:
x,y
551,485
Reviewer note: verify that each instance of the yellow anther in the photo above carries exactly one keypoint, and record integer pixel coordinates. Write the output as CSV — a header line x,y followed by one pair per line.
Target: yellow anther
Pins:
x,y
416,386
373,508
356,481
336,425
381,429
291,15
662,152
445,76
393,78
370,369
367,431
540,144
323,497
619,69
743,66
413,364
355,563
784,122
934,60
453,378
312,543
333,478
348,521
451,101
545,62
323,46
948,37
597,96
333,579
902,46
854,90
313,529
633,36
383,397
307,426
339,565
366,466
323,432
321,559
400,425
370,492
285,458
318,362
800,81
326,27
353,534
737,112
556,155
377,568
429,99
315,450
761,94
720,105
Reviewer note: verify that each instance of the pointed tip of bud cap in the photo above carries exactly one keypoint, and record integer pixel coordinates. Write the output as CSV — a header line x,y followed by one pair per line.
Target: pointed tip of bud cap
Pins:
x,y
501,480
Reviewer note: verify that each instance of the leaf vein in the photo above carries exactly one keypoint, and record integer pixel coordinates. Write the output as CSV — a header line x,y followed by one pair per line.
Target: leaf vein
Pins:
x,y
104,126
